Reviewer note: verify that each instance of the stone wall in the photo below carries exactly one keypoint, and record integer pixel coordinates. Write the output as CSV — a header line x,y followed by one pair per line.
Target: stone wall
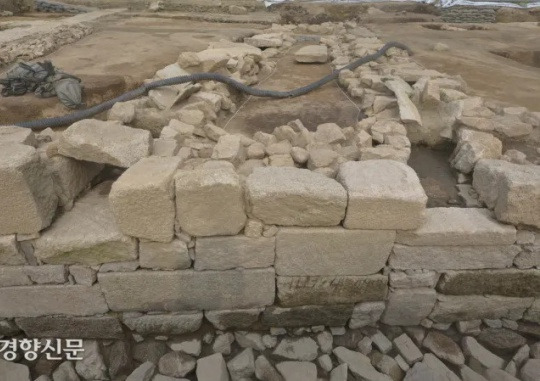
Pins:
x,y
16,6
464,14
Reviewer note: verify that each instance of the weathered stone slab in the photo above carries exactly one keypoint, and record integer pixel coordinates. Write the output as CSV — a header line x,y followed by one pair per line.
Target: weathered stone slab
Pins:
x,y
187,290
458,227
413,279
13,276
510,282
359,365
409,307
223,253
70,177
332,251
9,251
512,190
27,197
209,202
10,135
309,290
94,327
105,142
142,199
312,54
452,257
164,256
47,274
470,307
383,194
51,300
238,319
332,315
295,197
366,314
171,324
87,234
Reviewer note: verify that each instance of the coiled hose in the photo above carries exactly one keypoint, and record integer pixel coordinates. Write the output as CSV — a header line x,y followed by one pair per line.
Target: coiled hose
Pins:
x,y
40,124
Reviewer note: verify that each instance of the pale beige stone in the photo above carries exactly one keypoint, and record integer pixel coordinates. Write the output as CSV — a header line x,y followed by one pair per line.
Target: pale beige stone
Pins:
x,y
409,306
17,135
312,54
164,256
10,253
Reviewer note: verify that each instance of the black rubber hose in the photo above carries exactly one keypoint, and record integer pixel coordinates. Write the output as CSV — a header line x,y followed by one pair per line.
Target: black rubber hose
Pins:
x,y
59,121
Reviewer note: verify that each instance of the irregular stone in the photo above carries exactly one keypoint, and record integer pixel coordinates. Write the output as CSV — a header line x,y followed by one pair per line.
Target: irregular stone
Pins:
x,y
92,366
481,355
409,306
227,319
510,189
264,370
290,196
501,341
332,315
118,358
27,197
510,282
297,370
499,375
176,364
321,158
123,112
367,313
331,251
14,371
339,373
164,256
387,365
172,324
473,146
359,365
201,209
452,257
438,368
408,350
230,148
399,279
165,290
458,227
531,370
250,340
212,368
223,253
312,54
444,348
467,374
76,239
13,276
303,349
269,40
223,343
9,251
325,341
376,185
94,327
280,161
306,290
149,350
105,142
456,308
142,199
242,365
329,133
325,363
10,135
51,300
66,372
381,342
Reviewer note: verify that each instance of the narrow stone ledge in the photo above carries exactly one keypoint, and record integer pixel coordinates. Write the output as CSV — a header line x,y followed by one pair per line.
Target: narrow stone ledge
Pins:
x,y
295,197
332,251
163,324
511,282
224,253
383,194
449,309
237,319
458,227
452,257
308,290
34,301
188,290
68,327
333,316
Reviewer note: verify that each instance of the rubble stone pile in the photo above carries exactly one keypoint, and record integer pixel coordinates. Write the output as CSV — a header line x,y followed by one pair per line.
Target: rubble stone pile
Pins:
x,y
159,221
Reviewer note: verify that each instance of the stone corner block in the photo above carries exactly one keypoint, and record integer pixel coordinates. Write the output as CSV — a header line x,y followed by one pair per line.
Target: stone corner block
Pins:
x,y
383,194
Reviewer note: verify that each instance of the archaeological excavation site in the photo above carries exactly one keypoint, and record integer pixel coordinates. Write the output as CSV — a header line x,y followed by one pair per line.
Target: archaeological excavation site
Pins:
x,y
245,190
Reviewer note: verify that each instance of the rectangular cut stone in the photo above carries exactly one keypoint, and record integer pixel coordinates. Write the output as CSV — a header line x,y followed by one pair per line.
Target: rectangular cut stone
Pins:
x,y
164,256
452,257
383,194
47,274
312,54
223,253
9,251
414,279
458,227
188,290
306,290
510,282
332,251
512,190
333,316
87,234
409,307
13,276
33,301
27,198
295,197
69,327
210,202
239,319
458,308
70,177
142,199
160,324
